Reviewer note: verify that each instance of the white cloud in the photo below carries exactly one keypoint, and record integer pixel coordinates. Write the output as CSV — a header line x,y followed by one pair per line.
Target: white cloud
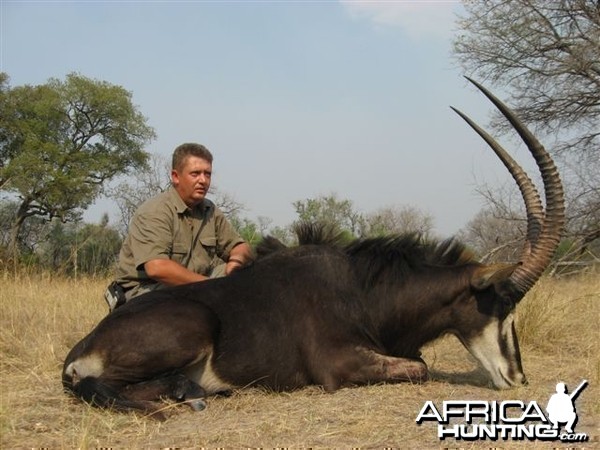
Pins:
x,y
418,18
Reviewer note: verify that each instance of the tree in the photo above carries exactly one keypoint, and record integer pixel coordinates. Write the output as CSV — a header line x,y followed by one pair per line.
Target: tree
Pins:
x,y
6,118
330,210
226,202
147,182
76,248
33,232
546,54
61,141
493,236
341,214
247,229
96,248
284,234
397,220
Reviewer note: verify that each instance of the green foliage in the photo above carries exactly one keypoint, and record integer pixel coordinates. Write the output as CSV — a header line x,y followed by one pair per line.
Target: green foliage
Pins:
x,y
66,248
330,210
247,229
341,214
98,249
61,141
75,249
405,219
283,234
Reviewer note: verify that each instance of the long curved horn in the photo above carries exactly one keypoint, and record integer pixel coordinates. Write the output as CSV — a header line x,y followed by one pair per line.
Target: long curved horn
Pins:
x,y
533,203
542,249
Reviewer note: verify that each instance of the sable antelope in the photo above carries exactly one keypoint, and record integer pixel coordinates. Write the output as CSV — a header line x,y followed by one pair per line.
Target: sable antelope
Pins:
x,y
322,313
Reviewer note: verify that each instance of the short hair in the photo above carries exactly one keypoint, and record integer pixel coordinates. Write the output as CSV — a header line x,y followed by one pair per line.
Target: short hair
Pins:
x,y
182,152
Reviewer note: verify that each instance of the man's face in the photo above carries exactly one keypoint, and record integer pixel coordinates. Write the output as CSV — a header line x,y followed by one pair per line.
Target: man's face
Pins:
x,y
193,180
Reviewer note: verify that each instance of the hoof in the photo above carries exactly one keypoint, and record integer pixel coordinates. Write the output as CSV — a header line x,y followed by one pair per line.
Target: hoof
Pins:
x,y
197,404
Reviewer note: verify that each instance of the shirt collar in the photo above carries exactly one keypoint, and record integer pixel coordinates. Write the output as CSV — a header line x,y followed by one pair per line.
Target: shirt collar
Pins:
x,y
182,208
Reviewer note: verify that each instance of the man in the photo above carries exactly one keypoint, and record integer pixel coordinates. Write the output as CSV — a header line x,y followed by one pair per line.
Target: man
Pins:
x,y
178,236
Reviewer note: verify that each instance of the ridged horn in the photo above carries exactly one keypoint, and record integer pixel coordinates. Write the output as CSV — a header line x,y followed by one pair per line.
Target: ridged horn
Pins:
x,y
533,204
544,230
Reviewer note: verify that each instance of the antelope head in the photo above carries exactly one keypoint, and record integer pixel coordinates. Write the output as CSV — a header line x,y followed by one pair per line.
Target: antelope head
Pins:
x,y
496,290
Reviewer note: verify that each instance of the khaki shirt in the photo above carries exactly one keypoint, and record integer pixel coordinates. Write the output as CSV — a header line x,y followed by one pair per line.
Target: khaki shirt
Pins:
x,y
164,227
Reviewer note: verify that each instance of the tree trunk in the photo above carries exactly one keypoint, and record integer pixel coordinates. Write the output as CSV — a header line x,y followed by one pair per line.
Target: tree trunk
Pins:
x,y
15,230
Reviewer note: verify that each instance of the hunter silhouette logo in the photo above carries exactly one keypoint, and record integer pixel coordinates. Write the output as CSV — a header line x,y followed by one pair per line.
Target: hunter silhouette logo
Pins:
x,y
561,406
472,420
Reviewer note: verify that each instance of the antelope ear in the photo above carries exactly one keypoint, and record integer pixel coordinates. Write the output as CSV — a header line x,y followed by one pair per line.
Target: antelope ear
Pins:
x,y
485,276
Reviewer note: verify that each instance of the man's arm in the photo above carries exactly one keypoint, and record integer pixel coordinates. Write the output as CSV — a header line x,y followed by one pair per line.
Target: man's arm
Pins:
x,y
239,256
171,273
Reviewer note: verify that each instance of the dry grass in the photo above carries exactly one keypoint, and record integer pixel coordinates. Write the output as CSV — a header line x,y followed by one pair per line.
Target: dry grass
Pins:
x,y
43,317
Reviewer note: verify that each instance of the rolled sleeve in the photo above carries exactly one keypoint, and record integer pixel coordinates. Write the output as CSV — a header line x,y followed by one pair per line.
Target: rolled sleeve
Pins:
x,y
227,236
150,238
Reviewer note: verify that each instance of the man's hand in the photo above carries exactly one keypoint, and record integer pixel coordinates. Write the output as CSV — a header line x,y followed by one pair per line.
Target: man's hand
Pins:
x,y
239,256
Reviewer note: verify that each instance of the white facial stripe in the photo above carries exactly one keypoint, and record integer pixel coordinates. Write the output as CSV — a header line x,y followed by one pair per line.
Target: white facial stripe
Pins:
x,y
495,348
88,366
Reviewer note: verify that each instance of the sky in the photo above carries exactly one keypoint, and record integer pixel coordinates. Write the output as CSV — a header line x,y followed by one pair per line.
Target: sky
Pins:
x,y
295,99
